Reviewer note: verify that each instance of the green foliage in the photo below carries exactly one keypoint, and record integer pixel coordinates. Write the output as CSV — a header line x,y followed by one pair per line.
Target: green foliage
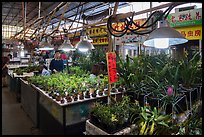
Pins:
x,y
191,70
87,60
114,114
20,71
151,122
77,70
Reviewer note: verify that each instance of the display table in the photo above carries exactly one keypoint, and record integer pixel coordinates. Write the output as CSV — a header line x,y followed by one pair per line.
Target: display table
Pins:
x,y
15,84
29,101
68,118
12,66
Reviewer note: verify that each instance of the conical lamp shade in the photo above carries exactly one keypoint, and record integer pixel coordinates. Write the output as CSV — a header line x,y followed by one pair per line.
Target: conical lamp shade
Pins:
x,y
164,37
45,44
84,45
66,46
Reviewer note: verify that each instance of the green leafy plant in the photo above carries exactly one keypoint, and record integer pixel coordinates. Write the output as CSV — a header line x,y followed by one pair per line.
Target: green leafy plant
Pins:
x,y
113,116
152,122
191,71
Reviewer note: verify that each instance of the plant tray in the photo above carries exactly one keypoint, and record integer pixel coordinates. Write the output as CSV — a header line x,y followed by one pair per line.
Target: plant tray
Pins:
x,y
91,129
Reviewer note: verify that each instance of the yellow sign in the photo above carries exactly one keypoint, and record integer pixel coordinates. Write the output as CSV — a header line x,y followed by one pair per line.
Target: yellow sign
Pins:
x,y
100,41
121,25
102,30
97,31
191,33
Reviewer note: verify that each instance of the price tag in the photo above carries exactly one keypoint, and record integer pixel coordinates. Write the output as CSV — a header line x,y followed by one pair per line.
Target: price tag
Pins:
x,y
112,70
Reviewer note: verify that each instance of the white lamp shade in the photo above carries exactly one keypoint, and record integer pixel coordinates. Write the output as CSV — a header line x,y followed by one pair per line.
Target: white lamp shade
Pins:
x,y
84,45
45,45
164,36
66,46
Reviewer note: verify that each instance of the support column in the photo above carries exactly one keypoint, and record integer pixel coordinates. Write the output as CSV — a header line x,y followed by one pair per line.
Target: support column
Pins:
x,y
200,47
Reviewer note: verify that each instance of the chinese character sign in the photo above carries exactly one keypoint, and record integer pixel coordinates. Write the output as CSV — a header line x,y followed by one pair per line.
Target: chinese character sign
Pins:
x,y
191,33
111,63
185,18
121,25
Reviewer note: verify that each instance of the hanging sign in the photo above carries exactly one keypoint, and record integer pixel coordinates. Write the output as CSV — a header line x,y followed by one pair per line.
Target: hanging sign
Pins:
x,y
185,18
111,63
100,41
97,31
121,25
191,33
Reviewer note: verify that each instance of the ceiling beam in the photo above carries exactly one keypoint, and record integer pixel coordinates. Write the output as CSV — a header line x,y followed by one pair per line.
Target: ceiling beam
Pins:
x,y
15,17
71,20
8,13
36,15
55,9
29,13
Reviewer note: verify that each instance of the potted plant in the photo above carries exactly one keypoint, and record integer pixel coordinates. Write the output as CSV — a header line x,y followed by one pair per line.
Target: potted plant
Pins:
x,y
151,122
81,92
100,90
68,95
92,83
87,93
75,96
113,117
190,76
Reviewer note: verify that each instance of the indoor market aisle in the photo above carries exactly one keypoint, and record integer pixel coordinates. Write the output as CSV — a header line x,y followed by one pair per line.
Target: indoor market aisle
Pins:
x,y
14,120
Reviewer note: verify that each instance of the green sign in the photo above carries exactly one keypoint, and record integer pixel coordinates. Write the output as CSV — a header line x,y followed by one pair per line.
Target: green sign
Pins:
x,y
185,18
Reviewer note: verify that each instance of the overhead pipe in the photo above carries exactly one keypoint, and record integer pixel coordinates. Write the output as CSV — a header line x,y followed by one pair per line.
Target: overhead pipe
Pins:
x,y
39,10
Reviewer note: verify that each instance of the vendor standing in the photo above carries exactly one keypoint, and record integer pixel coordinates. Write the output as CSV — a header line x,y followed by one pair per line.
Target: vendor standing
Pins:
x,y
5,62
57,65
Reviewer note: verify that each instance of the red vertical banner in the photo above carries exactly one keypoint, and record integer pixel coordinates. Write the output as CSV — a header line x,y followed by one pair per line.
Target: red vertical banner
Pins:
x,y
111,63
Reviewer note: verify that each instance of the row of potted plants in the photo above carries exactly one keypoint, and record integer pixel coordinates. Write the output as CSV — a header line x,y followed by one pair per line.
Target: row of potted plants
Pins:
x,y
74,86
117,116
160,78
28,69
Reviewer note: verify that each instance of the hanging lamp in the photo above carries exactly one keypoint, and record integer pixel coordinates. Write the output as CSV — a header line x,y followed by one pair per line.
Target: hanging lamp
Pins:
x,y
66,45
164,36
45,44
84,44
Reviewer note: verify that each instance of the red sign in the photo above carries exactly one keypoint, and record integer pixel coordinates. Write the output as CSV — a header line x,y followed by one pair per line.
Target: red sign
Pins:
x,y
112,71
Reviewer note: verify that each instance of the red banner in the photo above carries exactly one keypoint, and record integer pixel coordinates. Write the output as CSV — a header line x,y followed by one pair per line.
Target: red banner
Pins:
x,y
111,63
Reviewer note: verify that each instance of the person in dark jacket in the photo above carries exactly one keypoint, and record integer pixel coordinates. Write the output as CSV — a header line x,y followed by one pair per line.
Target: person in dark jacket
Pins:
x,y
57,65
5,62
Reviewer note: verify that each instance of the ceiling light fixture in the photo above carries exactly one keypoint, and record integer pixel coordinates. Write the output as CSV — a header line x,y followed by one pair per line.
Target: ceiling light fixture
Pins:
x,y
45,44
164,36
66,45
84,44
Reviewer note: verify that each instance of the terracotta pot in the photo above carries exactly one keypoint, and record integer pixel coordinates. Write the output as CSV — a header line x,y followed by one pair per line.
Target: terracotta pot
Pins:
x,y
81,96
58,98
68,98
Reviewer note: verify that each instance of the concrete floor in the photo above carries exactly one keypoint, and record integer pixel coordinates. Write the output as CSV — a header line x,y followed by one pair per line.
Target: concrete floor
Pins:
x,y
14,120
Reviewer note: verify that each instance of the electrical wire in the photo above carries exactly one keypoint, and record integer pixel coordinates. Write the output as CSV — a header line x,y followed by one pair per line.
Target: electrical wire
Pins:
x,y
129,21
75,16
77,23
